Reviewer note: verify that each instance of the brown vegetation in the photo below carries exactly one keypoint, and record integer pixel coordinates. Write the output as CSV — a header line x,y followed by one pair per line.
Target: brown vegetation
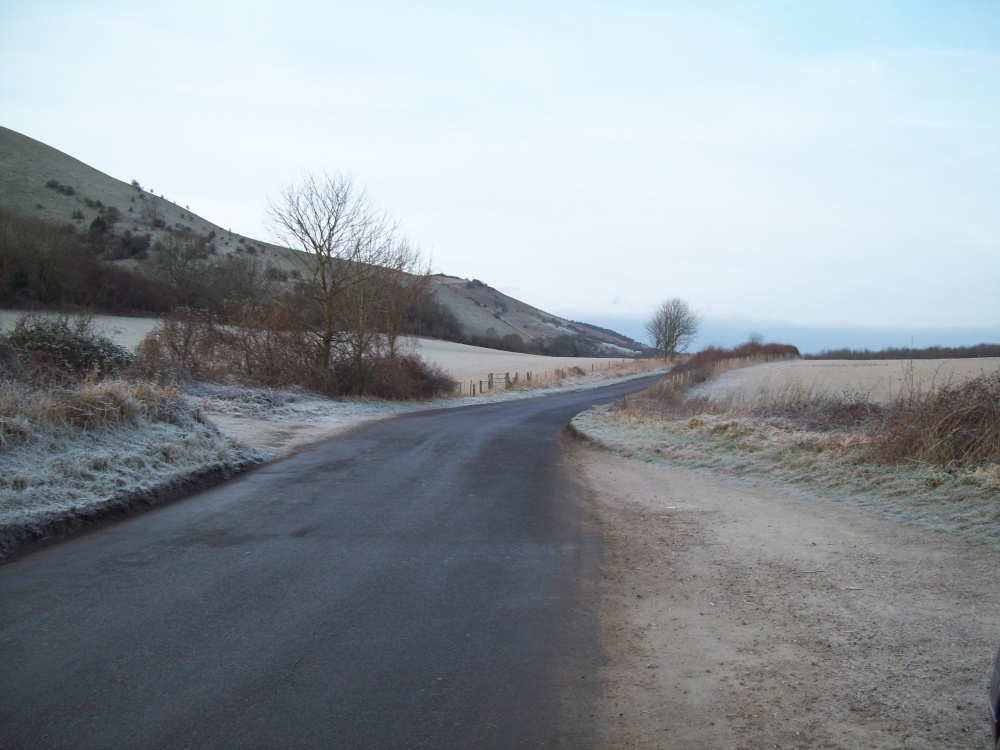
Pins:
x,y
953,426
949,426
332,327
268,345
59,375
930,352
46,265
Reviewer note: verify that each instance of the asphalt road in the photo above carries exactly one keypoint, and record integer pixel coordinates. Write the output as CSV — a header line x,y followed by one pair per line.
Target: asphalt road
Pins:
x,y
428,581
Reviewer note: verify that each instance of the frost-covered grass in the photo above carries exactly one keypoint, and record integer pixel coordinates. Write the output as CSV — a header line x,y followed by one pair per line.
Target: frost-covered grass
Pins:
x,y
78,451
827,446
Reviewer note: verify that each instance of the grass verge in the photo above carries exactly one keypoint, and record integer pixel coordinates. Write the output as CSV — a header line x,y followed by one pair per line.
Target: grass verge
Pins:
x,y
74,455
930,457
79,441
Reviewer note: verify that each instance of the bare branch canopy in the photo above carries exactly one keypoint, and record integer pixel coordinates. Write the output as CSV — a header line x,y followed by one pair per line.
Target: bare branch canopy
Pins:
x,y
672,327
357,271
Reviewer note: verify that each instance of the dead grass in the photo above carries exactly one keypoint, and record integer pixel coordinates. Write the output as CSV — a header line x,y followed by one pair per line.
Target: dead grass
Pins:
x,y
930,456
89,405
944,424
73,452
952,426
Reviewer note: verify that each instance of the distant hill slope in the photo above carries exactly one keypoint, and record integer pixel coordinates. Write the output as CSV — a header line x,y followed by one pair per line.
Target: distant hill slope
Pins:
x,y
480,307
38,180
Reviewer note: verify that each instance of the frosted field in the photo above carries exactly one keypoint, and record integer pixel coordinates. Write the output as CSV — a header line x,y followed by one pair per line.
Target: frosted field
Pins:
x,y
881,380
472,363
125,331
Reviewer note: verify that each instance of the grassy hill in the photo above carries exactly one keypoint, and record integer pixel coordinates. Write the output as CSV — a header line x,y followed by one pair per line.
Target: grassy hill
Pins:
x,y
39,181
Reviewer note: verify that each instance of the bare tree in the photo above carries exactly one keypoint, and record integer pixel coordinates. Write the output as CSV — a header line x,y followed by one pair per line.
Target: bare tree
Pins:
x,y
360,276
236,279
672,327
181,262
405,288
344,242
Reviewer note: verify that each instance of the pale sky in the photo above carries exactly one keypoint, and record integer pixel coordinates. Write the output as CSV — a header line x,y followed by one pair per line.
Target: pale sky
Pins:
x,y
782,165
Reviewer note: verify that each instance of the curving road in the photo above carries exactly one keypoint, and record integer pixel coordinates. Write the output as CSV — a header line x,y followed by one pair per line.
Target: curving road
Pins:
x,y
428,581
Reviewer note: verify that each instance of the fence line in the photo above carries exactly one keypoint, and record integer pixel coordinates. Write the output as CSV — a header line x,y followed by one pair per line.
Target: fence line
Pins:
x,y
496,381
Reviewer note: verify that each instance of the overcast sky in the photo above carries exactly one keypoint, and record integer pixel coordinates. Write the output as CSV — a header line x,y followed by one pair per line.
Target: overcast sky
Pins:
x,y
782,165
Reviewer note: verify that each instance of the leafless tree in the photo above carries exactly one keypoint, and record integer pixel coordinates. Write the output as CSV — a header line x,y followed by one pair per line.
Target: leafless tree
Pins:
x,y
343,239
672,327
356,270
238,279
406,286
181,262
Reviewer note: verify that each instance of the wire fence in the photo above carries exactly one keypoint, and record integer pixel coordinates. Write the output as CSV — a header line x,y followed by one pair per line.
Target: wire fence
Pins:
x,y
494,382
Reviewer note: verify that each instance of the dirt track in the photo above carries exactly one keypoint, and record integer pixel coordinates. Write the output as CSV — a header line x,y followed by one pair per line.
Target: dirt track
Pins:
x,y
743,616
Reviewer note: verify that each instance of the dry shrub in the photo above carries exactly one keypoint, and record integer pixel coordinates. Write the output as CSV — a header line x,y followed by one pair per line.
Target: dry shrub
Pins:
x,y
409,377
268,345
249,343
10,362
806,408
55,376
952,426
748,352
26,411
668,398
14,428
154,364
956,425
185,341
664,399
58,349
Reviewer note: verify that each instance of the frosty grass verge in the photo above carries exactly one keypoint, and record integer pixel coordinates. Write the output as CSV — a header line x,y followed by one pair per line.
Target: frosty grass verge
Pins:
x,y
55,478
813,465
60,479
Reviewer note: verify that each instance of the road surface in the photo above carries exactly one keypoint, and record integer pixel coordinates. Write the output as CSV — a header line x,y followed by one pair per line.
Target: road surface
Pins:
x,y
428,581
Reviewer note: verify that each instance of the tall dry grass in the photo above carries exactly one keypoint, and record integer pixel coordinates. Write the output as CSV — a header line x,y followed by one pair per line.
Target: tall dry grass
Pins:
x,y
952,426
25,411
671,396
946,425
931,456
59,377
